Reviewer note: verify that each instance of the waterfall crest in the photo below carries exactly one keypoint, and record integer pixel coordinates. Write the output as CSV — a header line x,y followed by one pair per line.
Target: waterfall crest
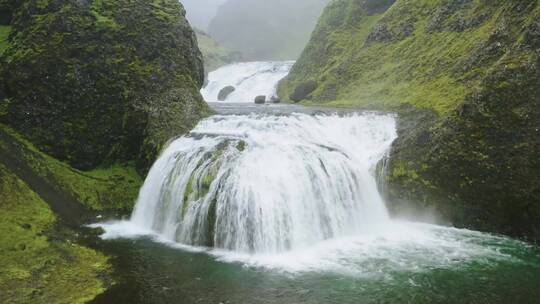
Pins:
x,y
268,184
250,79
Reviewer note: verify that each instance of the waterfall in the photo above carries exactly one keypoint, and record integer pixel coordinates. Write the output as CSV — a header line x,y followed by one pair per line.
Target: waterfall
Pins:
x,y
250,79
290,188
268,184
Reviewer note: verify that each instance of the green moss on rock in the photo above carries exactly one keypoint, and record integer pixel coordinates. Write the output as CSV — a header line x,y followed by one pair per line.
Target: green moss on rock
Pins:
x,y
4,34
105,188
36,267
81,76
430,54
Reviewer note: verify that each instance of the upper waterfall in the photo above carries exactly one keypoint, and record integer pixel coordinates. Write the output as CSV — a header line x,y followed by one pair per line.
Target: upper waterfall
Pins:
x,y
250,79
266,184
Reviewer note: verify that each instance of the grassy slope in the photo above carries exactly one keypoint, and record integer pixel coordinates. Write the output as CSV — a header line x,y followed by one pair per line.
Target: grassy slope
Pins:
x,y
432,69
109,188
4,33
36,267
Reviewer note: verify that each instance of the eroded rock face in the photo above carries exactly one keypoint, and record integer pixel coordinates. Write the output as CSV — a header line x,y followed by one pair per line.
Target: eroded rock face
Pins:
x,y
84,77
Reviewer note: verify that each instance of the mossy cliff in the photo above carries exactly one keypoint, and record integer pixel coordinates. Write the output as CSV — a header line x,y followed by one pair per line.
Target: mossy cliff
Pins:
x,y
464,76
93,82
90,91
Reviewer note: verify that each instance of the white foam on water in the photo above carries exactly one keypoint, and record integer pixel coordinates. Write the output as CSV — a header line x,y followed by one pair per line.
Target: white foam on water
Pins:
x,y
250,79
293,193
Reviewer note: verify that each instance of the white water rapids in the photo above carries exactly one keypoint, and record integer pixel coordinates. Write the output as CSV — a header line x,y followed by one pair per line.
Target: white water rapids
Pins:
x,y
250,79
268,184
293,191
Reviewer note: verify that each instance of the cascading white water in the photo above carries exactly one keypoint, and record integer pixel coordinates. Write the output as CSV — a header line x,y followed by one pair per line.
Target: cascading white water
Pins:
x,y
250,79
266,184
290,191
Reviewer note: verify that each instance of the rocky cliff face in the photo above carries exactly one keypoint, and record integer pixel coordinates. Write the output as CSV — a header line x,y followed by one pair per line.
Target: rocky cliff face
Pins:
x,y
100,81
463,74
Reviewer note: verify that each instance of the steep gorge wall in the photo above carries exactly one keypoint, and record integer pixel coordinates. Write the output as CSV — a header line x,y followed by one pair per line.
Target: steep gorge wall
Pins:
x,y
463,74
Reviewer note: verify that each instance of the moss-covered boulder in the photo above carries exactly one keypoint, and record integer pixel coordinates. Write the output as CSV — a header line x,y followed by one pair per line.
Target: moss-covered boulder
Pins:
x,y
464,77
83,78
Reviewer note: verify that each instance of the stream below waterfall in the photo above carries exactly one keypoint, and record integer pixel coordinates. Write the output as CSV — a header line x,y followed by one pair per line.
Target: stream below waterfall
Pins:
x,y
280,204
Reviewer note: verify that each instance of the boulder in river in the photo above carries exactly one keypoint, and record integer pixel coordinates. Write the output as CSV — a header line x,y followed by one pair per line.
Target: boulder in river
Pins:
x,y
275,99
260,99
225,92
303,90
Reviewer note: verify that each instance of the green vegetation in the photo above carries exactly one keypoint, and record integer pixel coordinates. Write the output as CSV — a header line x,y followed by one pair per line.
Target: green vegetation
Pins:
x,y
90,92
85,82
407,54
109,188
37,267
4,33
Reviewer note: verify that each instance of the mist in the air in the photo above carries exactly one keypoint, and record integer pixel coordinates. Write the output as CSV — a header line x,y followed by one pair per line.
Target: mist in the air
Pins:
x,y
258,29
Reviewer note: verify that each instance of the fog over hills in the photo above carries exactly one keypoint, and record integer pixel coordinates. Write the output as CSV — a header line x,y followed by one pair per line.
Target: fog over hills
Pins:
x,y
259,29
201,12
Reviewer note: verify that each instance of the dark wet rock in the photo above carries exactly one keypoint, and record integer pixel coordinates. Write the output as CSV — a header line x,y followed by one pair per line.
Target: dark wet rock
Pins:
x,y
275,99
260,99
6,11
225,92
303,90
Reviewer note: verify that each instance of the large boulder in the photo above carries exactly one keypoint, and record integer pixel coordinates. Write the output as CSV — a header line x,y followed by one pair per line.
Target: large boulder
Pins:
x,y
225,92
84,78
303,90
275,99
260,99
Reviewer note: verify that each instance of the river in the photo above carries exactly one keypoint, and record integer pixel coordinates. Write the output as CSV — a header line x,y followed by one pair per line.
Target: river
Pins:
x,y
280,204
